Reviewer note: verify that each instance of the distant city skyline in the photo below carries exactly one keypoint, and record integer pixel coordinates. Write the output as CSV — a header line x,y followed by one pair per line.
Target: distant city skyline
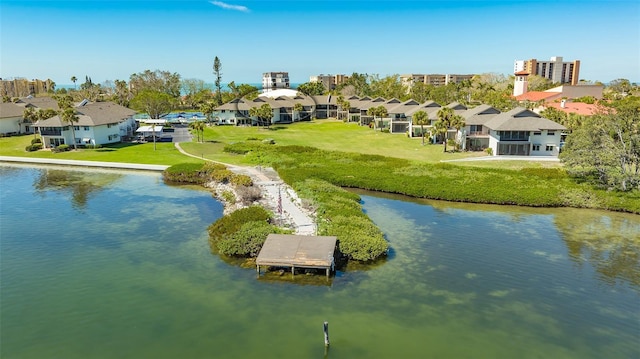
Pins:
x,y
109,40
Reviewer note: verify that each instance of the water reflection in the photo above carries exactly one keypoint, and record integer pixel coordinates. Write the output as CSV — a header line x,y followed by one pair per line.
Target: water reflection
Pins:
x,y
81,185
609,242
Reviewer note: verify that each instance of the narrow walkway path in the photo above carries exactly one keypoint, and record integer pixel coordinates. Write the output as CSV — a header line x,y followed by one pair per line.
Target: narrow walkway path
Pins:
x,y
77,163
274,190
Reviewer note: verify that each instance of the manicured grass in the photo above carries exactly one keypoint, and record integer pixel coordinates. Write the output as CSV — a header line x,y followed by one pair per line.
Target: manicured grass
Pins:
x,y
329,135
164,154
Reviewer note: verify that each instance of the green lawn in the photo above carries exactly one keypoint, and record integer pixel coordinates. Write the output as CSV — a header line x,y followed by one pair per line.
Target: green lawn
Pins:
x,y
327,135
165,153
323,134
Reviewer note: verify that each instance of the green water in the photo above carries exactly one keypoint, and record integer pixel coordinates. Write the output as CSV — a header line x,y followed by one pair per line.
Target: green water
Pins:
x,y
105,264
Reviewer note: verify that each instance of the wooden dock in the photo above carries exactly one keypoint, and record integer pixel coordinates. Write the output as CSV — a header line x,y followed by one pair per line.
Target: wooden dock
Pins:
x,y
294,251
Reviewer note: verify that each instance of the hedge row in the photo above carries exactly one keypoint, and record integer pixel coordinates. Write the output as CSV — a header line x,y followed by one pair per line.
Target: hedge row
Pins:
x,y
201,173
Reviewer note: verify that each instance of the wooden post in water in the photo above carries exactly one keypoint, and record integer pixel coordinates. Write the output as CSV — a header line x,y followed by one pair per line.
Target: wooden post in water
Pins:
x,y
326,334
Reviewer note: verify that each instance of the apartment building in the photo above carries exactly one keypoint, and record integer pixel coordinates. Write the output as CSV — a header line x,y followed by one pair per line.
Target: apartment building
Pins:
x,y
275,80
433,79
21,87
556,70
329,81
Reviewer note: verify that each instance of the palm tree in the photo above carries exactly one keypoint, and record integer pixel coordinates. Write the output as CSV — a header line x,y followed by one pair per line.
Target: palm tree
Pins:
x,y
207,109
382,113
421,118
198,126
458,123
263,113
441,128
67,114
346,106
445,114
297,108
74,79
373,112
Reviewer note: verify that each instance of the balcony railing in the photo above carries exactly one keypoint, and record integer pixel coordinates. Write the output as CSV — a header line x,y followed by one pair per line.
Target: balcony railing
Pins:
x,y
57,132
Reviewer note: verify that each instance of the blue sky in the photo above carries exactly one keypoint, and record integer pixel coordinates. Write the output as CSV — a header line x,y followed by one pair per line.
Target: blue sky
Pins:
x,y
110,40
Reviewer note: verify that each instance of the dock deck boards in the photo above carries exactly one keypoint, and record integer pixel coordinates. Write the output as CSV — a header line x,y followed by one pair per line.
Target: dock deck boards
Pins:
x,y
284,250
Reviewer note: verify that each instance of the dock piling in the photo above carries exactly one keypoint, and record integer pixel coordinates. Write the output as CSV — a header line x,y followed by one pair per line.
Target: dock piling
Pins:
x,y
326,334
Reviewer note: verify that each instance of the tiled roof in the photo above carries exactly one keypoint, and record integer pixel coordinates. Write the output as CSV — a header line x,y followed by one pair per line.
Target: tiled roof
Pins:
x,y
575,107
536,96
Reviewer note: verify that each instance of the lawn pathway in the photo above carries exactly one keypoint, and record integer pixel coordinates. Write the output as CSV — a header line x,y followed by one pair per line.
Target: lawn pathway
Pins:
x,y
274,190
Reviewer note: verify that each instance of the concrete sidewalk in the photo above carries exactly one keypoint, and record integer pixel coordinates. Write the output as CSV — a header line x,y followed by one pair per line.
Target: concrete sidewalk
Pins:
x,y
76,163
275,190
507,158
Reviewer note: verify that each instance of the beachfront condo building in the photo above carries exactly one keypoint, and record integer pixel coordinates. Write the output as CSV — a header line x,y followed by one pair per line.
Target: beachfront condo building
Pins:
x,y
433,79
275,80
329,81
555,69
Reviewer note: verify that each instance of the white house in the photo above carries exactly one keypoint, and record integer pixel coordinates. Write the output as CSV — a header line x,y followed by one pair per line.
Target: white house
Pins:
x,y
11,116
98,123
523,132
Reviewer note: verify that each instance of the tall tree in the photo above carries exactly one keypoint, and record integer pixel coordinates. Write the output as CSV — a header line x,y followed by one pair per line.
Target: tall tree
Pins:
x,y
217,68
421,118
154,103
311,88
605,149
67,115
74,79
161,81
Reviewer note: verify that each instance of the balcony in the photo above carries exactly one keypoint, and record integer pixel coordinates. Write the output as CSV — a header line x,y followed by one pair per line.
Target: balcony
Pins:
x,y
51,132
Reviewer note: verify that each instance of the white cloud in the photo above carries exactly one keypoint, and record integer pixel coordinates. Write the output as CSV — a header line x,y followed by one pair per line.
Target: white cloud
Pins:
x,y
224,5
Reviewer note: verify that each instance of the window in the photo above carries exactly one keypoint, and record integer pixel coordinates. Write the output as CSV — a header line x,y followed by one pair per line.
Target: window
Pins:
x,y
86,128
551,133
549,148
536,148
537,133
76,128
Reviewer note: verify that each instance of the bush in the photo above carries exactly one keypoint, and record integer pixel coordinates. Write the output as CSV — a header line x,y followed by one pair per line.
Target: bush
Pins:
x,y
241,180
33,147
185,173
489,151
36,140
248,195
231,223
247,240
228,197
62,148
222,176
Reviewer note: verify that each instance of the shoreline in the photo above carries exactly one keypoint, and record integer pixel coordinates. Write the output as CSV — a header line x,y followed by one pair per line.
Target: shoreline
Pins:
x,y
272,189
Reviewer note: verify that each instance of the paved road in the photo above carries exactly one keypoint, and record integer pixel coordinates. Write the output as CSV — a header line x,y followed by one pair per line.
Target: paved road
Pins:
x,y
181,134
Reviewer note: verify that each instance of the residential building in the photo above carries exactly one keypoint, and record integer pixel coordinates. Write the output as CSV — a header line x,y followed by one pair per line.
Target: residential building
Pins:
x,y
516,132
434,79
21,87
519,132
11,116
555,69
330,82
275,80
98,123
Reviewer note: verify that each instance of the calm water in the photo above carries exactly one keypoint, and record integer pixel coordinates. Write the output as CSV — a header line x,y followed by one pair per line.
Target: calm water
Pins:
x,y
105,264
